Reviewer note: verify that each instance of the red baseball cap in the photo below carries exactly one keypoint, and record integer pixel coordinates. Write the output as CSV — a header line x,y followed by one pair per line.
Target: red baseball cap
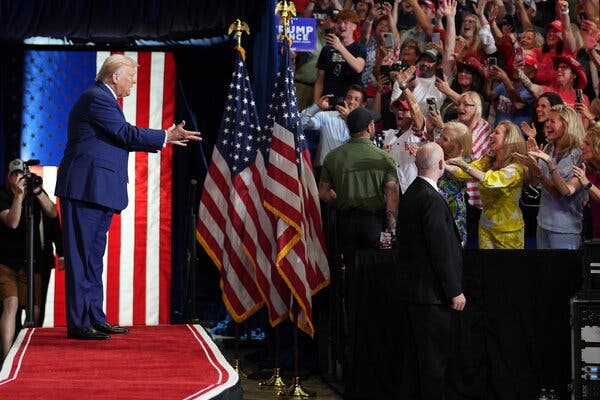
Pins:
x,y
396,104
556,24
531,60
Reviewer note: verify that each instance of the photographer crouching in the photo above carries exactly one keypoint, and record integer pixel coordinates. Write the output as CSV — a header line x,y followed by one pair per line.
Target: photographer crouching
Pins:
x,y
21,184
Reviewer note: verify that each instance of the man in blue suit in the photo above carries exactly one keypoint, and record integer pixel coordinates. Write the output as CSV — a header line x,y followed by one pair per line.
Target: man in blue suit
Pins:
x,y
92,186
429,279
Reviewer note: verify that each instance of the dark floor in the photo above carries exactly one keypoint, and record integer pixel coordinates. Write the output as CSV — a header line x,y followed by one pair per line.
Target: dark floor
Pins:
x,y
253,371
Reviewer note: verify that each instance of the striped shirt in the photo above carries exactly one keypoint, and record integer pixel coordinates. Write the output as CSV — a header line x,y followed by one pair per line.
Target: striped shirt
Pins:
x,y
481,143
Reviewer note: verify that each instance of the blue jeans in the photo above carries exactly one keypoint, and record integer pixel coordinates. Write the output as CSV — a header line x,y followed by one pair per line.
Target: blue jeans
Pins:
x,y
554,240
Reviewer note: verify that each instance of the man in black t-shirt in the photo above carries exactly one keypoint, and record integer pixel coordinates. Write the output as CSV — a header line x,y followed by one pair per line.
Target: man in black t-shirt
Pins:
x,y
13,231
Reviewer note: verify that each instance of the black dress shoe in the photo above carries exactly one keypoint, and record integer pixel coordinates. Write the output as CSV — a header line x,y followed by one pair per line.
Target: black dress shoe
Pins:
x,y
110,329
86,334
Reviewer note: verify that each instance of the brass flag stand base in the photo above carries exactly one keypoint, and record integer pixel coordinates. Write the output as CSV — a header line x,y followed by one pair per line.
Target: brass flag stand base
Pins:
x,y
274,382
236,367
295,391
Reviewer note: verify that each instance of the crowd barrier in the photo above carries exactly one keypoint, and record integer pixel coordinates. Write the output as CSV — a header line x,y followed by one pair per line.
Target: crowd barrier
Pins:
x,y
515,331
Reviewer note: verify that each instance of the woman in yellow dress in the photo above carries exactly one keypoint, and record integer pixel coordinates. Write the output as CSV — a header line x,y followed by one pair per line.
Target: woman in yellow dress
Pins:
x,y
500,179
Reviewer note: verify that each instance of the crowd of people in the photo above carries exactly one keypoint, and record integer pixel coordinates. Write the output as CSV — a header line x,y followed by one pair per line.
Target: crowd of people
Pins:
x,y
448,124
522,78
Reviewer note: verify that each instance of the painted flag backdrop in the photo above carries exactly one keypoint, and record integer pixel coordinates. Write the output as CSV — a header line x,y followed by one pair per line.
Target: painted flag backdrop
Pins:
x,y
291,195
137,273
233,226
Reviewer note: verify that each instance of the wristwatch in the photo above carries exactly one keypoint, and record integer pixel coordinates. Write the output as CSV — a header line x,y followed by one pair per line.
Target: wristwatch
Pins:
x,y
588,186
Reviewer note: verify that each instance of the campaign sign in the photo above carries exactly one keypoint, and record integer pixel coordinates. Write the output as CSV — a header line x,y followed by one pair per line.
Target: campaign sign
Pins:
x,y
303,32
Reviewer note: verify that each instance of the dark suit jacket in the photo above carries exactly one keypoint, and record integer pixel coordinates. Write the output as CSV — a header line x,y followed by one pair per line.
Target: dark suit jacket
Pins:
x,y
94,166
430,255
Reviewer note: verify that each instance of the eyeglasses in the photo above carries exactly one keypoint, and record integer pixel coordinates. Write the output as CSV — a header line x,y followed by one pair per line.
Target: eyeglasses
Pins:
x,y
563,67
466,105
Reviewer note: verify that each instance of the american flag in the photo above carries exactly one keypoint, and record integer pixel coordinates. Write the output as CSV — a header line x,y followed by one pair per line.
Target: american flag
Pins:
x,y
137,264
233,226
291,195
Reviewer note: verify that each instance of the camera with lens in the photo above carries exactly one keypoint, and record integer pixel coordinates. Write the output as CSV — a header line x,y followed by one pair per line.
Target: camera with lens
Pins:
x,y
32,181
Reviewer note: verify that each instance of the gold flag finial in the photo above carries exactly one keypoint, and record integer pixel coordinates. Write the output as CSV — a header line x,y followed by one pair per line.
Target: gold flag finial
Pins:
x,y
237,27
286,10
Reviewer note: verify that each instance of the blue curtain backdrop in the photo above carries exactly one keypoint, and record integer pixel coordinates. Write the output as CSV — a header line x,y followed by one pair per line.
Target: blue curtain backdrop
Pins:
x,y
266,60
51,78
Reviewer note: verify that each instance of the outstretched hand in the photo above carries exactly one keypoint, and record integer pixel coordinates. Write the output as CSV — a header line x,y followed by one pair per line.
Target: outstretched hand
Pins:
x,y
179,136
458,161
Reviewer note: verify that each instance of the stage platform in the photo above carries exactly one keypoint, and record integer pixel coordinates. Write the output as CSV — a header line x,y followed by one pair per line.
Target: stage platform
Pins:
x,y
165,362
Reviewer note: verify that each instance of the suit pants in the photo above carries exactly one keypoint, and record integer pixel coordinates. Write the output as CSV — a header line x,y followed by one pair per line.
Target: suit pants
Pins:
x,y
429,346
84,229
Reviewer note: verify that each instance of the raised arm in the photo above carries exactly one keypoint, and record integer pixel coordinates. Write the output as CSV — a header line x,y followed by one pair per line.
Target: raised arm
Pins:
x,y
356,63
422,19
562,10
521,13
448,10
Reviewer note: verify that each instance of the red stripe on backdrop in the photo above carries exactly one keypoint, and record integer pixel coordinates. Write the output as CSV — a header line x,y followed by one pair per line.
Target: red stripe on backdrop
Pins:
x,y
113,269
166,192
112,286
141,193
141,228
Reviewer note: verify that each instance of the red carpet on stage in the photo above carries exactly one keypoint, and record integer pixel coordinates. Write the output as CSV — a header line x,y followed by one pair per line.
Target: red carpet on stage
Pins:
x,y
151,362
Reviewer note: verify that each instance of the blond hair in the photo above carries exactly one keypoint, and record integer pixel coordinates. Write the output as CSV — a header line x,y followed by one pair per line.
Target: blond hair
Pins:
x,y
475,98
514,142
462,136
112,65
593,135
573,128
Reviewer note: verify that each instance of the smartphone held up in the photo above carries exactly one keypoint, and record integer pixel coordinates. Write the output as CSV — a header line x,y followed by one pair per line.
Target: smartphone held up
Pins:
x,y
579,96
388,41
439,73
432,105
519,54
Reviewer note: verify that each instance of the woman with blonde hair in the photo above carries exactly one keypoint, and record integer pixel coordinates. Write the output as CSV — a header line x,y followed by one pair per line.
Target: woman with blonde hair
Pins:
x,y
455,140
589,175
476,30
469,110
500,179
561,203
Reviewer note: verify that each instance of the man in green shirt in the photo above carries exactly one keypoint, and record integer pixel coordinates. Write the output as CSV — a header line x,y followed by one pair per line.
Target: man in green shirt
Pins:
x,y
361,182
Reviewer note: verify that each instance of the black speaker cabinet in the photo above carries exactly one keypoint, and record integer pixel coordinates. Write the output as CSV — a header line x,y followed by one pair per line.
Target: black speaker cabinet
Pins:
x,y
590,268
585,345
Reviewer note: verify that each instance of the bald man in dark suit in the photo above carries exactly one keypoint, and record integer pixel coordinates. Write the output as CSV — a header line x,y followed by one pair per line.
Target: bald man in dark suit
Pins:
x,y
430,275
